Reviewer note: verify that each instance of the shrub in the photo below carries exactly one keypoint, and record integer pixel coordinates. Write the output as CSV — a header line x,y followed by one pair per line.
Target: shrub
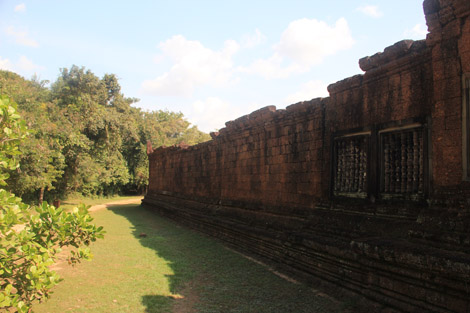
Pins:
x,y
32,237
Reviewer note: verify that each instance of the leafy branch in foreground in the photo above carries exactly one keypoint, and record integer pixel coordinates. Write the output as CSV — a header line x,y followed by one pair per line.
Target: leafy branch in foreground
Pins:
x,y
31,238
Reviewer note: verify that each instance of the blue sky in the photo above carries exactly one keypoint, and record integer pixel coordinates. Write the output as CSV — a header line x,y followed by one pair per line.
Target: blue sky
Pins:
x,y
211,60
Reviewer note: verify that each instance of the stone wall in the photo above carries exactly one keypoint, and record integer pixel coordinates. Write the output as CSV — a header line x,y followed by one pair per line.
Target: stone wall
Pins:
x,y
449,41
269,158
363,192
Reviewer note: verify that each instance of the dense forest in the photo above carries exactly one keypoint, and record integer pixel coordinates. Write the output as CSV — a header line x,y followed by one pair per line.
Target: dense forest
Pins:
x,y
85,137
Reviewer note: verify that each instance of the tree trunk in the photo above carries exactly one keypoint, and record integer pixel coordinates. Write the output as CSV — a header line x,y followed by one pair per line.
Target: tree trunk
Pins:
x,y
41,195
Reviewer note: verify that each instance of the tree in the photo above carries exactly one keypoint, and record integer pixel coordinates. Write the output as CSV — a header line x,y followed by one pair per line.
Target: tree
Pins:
x,y
87,137
41,158
41,166
89,104
31,238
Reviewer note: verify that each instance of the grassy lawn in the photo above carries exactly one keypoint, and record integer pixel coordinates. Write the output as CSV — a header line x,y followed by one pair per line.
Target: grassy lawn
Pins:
x,y
172,269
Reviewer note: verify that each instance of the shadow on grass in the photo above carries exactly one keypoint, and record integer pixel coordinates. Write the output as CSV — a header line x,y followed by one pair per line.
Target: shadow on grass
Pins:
x,y
210,278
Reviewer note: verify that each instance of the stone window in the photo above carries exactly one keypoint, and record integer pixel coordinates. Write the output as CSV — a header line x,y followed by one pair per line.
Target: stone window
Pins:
x,y
389,161
351,160
466,127
402,162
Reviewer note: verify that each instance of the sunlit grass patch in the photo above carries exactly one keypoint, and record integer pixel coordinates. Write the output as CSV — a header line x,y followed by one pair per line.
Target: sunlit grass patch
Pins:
x,y
120,274
149,264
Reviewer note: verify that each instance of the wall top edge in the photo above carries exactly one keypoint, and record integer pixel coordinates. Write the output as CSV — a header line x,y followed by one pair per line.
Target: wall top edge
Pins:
x,y
259,118
392,53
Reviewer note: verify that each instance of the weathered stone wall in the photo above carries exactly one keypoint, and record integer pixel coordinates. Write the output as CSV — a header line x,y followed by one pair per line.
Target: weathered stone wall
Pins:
x,y
270,158
361,192
393,93
449,40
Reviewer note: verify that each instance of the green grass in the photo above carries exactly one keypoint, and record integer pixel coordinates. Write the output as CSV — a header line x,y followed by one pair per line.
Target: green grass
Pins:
x,y
173,269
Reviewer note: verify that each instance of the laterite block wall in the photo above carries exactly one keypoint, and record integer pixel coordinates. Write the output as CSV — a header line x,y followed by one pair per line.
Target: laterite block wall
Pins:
x,y
267,158
361,193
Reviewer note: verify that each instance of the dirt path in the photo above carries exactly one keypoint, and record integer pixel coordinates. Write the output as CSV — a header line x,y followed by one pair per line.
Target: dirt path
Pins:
x,y
120,202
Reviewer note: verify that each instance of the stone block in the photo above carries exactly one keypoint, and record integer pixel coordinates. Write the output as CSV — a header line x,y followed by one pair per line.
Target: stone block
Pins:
x,y
431,7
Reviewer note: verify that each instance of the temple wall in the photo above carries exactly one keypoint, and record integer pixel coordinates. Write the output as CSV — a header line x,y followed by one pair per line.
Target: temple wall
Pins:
x,y
270,158
449,39
365,192
282,157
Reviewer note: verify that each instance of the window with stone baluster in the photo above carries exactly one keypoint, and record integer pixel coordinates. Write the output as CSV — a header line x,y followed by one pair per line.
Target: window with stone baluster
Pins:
x,y
402,165
383,161
351,162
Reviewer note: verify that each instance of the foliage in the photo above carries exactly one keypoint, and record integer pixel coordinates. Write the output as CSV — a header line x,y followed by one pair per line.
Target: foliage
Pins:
x,y
12,131
42,163
87,137
30,241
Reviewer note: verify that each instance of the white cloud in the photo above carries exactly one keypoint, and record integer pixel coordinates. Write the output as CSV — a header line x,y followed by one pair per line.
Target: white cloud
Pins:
x,y
26,65
419,31
371,10
253,40
21,37
159,58
308,42
23,66
305,43
272,68
193,65
310,90
20,7
212,113
5,64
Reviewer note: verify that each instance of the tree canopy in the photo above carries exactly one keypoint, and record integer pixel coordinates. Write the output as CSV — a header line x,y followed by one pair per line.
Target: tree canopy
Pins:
x,y
87,138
